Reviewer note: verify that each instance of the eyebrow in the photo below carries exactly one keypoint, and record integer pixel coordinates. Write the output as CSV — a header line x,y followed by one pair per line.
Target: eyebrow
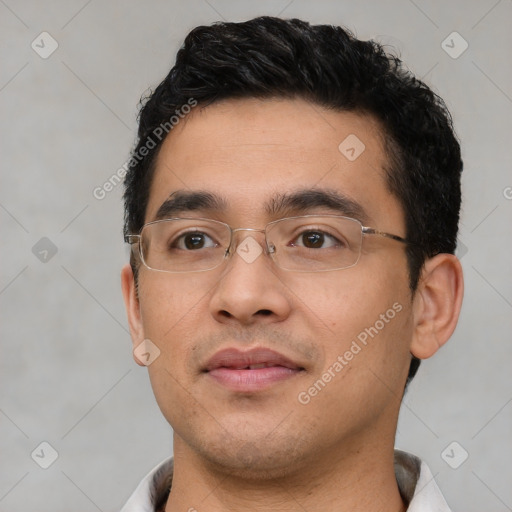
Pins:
x,y
282,205
182,201
303,201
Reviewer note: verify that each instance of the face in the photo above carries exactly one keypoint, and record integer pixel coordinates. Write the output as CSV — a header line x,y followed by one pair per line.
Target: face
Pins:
x,y
337,341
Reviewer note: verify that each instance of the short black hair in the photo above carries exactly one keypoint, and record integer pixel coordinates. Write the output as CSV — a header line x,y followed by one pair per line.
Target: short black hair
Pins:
x,y
270,57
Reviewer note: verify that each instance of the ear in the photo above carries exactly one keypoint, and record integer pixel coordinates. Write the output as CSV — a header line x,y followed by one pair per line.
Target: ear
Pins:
x,y
131,303
436,304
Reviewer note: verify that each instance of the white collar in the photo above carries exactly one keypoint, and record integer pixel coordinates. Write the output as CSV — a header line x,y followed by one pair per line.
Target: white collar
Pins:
x,y
415,481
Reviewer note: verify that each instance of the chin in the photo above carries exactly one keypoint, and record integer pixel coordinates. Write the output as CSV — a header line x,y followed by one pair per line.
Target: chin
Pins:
x,y
254,462
250,455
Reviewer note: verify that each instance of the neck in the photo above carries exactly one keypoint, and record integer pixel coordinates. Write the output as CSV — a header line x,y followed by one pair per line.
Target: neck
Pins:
x,y
358,478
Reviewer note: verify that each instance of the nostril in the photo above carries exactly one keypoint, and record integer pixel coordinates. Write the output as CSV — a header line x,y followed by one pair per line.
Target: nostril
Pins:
x,y
264,312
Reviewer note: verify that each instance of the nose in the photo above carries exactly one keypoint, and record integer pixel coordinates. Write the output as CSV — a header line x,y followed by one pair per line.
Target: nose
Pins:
x,y
250,291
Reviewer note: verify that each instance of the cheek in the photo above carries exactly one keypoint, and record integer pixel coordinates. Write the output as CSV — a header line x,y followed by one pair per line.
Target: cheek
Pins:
x,y
366,349
348,301
378,325
172,311
367,312
168,302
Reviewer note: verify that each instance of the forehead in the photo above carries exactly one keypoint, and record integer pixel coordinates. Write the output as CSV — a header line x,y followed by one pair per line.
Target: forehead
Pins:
x,y
250,151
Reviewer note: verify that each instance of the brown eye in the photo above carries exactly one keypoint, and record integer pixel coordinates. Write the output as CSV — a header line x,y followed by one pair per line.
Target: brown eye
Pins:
x,y
193,241
313,239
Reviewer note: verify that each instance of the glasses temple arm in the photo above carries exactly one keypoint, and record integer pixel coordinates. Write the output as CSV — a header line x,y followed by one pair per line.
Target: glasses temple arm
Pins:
x,y
371,231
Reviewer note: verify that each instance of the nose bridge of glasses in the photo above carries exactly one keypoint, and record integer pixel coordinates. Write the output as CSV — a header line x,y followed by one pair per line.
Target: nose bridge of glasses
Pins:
x,y
237,239
235,230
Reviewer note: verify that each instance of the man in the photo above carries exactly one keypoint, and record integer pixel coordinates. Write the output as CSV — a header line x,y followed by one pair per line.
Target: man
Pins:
x,y
292,206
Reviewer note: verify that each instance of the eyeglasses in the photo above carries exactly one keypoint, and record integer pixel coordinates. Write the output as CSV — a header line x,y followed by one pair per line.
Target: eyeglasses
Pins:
x,y
309,243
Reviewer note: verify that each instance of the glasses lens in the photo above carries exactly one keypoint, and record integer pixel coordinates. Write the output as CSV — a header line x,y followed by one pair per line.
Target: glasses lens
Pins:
x,y
184,245
315,243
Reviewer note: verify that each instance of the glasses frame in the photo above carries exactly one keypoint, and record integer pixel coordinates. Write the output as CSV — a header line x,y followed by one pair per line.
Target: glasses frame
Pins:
x,y
365,230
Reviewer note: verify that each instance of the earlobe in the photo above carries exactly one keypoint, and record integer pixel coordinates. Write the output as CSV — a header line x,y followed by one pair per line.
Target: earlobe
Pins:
x,y
132,306
437,304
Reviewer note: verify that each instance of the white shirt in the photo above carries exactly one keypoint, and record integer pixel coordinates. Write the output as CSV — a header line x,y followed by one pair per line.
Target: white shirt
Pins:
x,y
415,481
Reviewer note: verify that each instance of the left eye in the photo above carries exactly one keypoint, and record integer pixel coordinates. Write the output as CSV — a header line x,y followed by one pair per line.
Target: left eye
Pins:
x,y
315,240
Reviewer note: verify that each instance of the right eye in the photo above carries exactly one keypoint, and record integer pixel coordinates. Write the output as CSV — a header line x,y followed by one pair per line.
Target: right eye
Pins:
x,y
193,241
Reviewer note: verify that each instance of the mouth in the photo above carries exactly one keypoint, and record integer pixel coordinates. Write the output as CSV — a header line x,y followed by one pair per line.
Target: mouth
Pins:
x,y
251,370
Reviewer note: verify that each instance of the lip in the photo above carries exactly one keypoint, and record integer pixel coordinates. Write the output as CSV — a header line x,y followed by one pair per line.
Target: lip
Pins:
x,y
251,370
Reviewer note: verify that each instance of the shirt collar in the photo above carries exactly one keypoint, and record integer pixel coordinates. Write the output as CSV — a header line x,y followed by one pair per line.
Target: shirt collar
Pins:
x,y
417,485
415,482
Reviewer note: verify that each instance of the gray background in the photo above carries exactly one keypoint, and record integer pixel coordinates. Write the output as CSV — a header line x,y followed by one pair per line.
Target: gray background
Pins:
x,y
67,124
